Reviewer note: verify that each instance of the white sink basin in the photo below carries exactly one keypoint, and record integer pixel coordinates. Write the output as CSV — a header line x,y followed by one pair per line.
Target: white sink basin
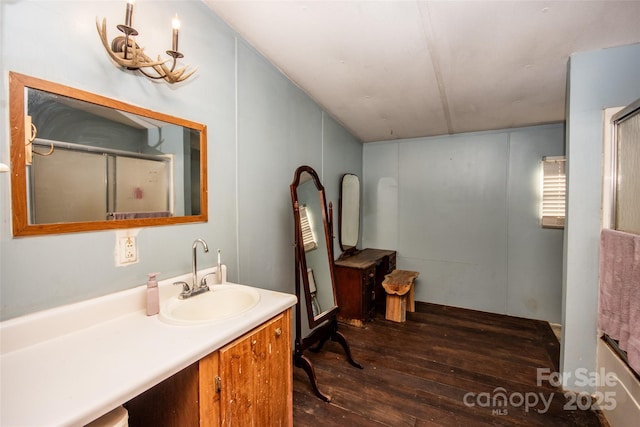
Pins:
x,y
221,302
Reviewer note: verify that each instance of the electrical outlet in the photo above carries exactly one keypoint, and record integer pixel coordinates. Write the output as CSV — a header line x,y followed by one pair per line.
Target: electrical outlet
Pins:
x,y
127,250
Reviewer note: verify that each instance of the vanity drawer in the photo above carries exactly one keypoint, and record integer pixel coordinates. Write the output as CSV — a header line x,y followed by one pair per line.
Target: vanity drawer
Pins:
x,y
369,293
369,275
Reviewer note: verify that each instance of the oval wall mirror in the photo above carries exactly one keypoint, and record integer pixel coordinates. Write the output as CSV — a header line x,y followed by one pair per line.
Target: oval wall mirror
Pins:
x,y
83,162
349,222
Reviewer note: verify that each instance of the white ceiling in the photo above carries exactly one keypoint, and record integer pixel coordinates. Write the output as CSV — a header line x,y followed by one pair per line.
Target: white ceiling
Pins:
x,y
405,68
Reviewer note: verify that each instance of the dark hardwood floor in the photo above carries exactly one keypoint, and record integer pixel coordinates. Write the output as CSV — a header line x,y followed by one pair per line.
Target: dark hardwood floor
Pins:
x,y
444,366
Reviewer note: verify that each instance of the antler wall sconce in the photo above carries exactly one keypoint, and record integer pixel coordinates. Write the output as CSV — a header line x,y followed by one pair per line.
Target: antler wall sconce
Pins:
x,y
125,51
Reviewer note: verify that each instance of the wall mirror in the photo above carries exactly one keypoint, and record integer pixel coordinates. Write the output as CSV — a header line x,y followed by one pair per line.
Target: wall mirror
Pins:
x,y
313,225
84,162
349,213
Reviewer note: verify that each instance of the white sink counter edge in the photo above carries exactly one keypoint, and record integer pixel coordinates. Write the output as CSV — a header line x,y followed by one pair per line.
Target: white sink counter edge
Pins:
x,y
72,364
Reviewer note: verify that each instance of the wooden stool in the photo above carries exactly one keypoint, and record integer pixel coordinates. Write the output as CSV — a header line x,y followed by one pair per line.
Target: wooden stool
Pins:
x,y
400,294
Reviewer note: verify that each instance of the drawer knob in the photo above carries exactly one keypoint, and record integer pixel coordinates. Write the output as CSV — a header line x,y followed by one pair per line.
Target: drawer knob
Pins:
x,y
278,332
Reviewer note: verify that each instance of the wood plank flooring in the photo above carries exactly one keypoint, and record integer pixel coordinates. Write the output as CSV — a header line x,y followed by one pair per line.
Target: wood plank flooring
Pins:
x,y
442,367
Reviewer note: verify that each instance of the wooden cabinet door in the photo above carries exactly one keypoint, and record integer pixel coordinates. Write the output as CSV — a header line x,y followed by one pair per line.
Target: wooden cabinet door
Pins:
x,y
256,377
209,395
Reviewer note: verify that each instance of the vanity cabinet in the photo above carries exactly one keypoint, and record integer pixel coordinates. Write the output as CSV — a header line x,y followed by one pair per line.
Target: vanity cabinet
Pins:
x,y
247,382
359,279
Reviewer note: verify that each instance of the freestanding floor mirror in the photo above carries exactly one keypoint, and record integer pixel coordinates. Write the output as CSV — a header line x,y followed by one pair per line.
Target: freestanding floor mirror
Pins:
x,y
314,270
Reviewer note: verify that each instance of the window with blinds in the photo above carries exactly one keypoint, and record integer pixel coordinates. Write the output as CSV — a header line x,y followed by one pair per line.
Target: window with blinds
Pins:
x,y
308,238
553,191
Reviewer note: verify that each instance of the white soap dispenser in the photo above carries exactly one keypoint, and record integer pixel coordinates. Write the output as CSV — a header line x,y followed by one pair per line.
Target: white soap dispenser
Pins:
x,y
153,295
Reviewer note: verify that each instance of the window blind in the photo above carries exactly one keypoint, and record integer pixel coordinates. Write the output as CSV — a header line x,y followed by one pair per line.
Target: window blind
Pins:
x,y
553,191
308,239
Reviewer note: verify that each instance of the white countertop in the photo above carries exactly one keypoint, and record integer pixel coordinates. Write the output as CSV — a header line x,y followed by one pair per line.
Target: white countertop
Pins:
x,y
72,364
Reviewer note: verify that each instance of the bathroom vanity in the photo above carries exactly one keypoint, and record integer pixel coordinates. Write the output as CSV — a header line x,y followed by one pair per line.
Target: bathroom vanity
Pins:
x,y
247,382
69,365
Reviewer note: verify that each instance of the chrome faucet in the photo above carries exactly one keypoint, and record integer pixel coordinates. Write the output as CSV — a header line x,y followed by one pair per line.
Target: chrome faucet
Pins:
x,y
194,262
195,288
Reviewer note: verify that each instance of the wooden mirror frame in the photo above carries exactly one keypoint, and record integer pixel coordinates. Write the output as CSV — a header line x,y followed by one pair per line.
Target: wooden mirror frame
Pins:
x,y
20,215
324,326
327,219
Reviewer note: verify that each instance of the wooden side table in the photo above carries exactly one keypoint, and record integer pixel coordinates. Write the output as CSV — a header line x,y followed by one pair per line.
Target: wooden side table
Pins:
x,y
400,294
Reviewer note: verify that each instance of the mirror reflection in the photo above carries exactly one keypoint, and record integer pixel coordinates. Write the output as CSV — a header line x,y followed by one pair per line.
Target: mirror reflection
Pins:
x,y
85,162
349,212
314,230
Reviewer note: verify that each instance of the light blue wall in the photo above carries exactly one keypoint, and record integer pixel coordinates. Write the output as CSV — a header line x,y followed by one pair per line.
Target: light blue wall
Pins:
x,y
463,210
260,128
597,80
346,157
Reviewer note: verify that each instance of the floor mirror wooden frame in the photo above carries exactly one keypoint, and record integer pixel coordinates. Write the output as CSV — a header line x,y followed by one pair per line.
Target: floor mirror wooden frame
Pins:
x,y
323,324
